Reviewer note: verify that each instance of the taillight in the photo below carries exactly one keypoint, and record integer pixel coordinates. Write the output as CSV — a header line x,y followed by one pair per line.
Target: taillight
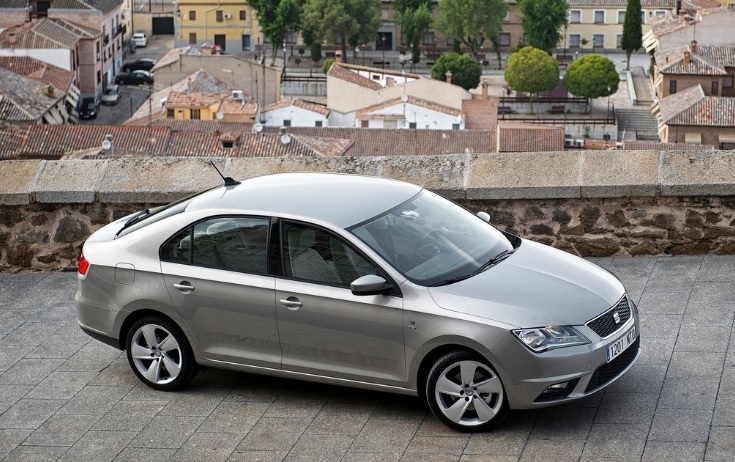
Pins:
x,y
83,265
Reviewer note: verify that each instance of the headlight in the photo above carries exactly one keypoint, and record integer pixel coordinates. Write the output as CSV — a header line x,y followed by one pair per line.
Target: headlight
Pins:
x,y
547,338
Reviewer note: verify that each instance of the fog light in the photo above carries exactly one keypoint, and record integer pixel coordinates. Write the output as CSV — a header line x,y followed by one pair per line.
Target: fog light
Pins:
x,y
558,391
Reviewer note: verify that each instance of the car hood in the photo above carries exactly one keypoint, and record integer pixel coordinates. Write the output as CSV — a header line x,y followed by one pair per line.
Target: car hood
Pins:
x,y
536,286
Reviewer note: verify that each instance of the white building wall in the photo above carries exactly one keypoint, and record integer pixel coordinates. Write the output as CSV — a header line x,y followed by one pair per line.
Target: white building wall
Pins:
x,y
425,119
54,56
299,117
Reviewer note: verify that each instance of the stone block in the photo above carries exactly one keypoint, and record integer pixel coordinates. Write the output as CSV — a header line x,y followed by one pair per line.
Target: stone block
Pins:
x,y
525,175
69,181
619,173
18,177
691,173
157,180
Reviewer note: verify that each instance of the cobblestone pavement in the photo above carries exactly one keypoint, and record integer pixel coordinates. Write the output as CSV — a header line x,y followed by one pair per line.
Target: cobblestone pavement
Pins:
x,y
65,396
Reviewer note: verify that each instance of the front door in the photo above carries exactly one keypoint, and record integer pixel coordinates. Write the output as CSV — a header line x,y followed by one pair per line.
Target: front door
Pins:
x,y
324,328
221,40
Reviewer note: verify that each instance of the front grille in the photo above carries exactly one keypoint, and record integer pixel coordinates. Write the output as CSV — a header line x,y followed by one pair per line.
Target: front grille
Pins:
x,y
606,324
604,374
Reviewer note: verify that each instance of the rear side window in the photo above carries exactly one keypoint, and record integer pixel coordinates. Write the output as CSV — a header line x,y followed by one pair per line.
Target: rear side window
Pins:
x,y
230,243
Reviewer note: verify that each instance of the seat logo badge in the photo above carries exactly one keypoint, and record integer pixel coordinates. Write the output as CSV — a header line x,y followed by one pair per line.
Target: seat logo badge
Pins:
x,y
616,317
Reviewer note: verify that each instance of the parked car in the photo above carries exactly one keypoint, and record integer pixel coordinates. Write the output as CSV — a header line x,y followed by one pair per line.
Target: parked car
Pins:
x,y
111,95
139,39
143,64
134,78
355,281
88,109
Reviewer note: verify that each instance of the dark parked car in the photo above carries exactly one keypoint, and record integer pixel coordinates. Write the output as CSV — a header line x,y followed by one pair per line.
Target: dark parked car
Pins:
x,y
134,78
143,64
88,110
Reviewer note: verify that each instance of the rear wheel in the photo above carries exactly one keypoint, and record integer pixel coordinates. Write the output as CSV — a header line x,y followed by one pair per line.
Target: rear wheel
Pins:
x,y
159,353
465,393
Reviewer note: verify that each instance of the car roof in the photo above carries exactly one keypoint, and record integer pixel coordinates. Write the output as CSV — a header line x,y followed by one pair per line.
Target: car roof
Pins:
x,y
342,200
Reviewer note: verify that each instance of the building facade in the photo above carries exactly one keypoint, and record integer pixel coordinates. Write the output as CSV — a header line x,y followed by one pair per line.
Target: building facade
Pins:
x,y
230,24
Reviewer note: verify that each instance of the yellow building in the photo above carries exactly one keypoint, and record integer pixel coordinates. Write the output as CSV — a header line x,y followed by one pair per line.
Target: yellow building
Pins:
x,y
210,106
595,25
231,24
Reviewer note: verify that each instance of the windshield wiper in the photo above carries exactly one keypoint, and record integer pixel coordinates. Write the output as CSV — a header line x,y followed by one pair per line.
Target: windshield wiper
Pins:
x,y
493,261
134,219
490,263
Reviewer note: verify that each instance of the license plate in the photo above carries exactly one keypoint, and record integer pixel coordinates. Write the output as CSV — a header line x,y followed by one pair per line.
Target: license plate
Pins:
x,y
622,344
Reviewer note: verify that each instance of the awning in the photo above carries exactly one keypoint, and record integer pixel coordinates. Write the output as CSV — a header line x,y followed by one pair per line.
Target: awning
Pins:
x,y
693,138
72,96
649,41
727,138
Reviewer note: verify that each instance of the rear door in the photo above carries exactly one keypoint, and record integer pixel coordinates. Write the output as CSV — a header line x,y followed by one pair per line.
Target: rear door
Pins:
x,y
217,276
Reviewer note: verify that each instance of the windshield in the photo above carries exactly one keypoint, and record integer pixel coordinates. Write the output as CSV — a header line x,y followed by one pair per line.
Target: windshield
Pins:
x,y
432,241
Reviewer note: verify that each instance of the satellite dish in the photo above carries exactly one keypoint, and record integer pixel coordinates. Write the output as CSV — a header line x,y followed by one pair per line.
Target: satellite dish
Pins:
x,y
285,139
219,115
106,145
258,128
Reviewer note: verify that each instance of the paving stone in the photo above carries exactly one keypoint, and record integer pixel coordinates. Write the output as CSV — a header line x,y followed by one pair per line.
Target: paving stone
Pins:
x,y
94,400
663,302
655,351
117,373
319,447
563,422
36,453
297,406
61,430
554,450
61,385
29,413
337,418
29,371
94,356
689,394
257,456
199,402
371,457
642,378
724,411
717,268
622,408
727,383
620,441
660,326
449,446
693,365
59,346
131,454
709,315
10,354
166,432
234,417
666,452
721,444
274,433
10,438
382,435
130,415
211,447
508,439
713,293
11,395
690,426
98,446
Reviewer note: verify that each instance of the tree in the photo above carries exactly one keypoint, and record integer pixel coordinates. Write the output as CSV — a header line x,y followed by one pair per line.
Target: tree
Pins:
x,y
471,21
343,21
532,70
415,19
277,18
543,21
592,76
632,38
465,70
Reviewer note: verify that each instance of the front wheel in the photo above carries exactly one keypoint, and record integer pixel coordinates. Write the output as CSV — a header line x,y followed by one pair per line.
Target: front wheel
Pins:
x,y
465,393
159,353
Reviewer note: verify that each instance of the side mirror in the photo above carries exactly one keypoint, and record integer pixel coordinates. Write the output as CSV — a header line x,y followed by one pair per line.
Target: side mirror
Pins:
x,y
484,216
370,284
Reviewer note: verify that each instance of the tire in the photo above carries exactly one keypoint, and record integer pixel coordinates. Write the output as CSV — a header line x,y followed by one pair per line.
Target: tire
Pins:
x,y
159,353
465,393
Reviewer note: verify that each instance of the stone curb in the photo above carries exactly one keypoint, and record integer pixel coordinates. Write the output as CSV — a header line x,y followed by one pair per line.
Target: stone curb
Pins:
x,y
548,175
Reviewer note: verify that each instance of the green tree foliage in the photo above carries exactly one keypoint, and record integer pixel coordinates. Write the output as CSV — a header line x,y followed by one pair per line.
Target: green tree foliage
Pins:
x,y
415,20
532,70
592,76
327,64
344,21
471,21
543,21
277,18
632,38
465,70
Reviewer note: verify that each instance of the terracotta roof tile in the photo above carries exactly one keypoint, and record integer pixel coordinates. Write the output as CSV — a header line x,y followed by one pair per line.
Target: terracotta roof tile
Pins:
x,y
38,70
691,107
520,137
482,114
12,139
368,111
406,142
300,103
656,146
340,72
207,126
706,60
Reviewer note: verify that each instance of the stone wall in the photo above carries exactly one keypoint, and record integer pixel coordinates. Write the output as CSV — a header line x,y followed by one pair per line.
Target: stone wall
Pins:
x,y
591,203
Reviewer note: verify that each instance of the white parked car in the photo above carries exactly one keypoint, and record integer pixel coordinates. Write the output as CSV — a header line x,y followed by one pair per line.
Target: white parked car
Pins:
x,y
139,39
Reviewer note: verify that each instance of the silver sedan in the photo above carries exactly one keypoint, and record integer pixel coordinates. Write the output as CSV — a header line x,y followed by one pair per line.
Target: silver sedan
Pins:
x,y
359,281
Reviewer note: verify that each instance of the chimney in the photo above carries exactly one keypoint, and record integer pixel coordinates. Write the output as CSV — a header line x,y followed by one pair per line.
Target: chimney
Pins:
x,y
338,56
484,85
687,58
693,46
50,91
107,147
448,75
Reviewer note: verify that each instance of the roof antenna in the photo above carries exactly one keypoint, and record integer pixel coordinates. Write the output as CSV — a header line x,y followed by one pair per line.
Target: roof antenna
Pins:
x,y
228,180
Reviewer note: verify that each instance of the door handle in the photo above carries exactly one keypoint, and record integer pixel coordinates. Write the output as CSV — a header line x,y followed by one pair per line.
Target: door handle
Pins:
x,y
292,303
184,287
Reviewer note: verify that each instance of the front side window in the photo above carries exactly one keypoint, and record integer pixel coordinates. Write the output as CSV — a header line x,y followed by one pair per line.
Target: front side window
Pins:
x,y
599,17
504,39
432,241
621,16
196,114
229,243
672,87
574,40
575,16
598,40
315,255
